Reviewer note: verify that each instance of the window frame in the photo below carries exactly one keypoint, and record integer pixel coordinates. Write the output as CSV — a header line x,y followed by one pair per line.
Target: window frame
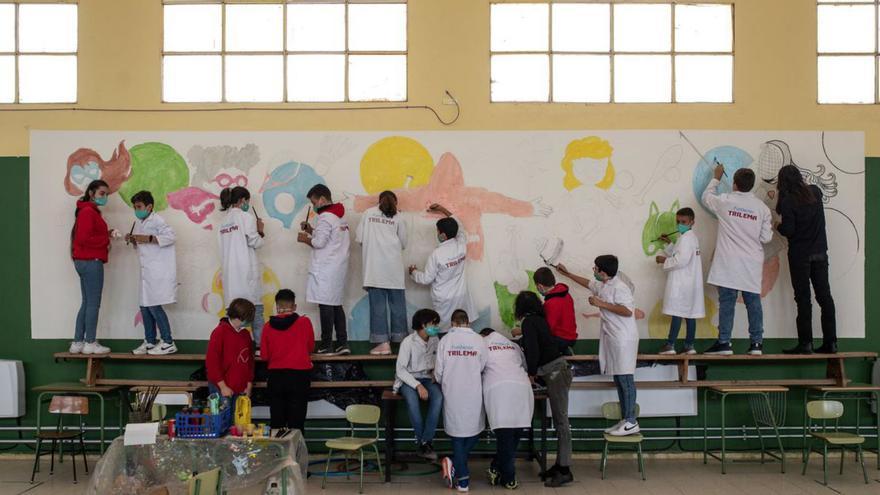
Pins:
x,y
284,53
875,53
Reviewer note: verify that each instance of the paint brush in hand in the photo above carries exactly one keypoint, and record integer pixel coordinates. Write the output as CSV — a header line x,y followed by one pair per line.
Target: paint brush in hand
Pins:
x,y
305,223
130,232
664,235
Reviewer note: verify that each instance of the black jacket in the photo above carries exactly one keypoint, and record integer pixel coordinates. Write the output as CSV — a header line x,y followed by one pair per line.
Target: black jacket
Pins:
x,y
537,343
804,226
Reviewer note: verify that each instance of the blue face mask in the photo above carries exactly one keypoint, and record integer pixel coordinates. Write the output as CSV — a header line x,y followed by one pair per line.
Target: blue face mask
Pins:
x,y
101,201
141,214
682,228
245,207
432,331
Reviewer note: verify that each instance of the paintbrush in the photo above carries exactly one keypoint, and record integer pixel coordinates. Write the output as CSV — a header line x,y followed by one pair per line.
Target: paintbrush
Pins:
x,y
664,235
308,214
130,232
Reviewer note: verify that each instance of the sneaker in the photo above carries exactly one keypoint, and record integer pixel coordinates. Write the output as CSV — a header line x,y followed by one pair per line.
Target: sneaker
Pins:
x,y
546,475
426,451
447,471
511,485
95,348
257,352
381,349
756,349
559,478
625,429
325,350
667,350
826,348
144,348
799,349
719,349
463,486
342,350
76,347
615,426
689,350
493,476
163,349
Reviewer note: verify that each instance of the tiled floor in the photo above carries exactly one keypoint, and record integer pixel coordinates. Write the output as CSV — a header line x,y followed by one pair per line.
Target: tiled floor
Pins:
x,y
665,476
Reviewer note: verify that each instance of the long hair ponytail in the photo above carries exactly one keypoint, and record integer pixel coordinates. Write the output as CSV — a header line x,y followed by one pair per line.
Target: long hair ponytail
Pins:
x,y
790,183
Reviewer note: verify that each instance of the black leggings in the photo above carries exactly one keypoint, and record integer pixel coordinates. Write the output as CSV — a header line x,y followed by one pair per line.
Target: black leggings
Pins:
x,y
289,398
332,317
812,270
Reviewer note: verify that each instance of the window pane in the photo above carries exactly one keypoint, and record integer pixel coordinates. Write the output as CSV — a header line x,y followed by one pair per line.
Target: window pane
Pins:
x,y
846,28
517,27
703,28
190,28
582,78
191,78
315,27
316,78
581,27
7,27
47,28
520,78
704,78
377,77
252,28
47,78
846,79
254,78
7,79
642,28
643,78
377,27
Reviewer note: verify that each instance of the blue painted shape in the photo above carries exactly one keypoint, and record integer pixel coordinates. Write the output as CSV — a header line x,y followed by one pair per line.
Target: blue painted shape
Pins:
x,y
733,159
294,179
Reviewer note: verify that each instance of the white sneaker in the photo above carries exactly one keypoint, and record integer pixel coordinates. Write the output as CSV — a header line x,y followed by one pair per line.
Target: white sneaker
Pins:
x,y
95,348
76,347
163,349
144,348
381,350
625,429
616,426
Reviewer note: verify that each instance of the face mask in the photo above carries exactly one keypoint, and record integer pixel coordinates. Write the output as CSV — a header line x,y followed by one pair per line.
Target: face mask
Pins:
x,y
245,207
432,331
682,228
101,201
440,238
141,214
598,277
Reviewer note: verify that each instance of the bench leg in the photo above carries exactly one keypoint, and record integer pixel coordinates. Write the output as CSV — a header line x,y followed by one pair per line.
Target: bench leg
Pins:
x,y
705,427
390,411
73,459
723,434
775,432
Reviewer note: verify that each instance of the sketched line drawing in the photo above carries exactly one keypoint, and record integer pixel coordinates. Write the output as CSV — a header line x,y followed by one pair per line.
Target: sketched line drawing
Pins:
x,y
665,168
830,161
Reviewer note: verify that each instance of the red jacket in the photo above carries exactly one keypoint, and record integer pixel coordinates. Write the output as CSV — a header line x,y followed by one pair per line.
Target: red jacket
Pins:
x,y
91,239
559,311
287,342
230,357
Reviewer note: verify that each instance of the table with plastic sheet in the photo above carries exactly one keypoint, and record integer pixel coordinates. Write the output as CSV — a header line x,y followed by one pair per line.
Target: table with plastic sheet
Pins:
x,y
245,463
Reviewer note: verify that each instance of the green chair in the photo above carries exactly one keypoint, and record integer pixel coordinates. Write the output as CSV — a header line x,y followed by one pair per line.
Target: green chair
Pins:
x,y
611,412
358,414
206,483
826,410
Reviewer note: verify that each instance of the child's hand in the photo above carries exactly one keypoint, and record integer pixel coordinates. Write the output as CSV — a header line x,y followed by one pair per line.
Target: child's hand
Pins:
x,y
411,269
305,227
665,238
562,269
516,332
423,392
248,389
303,237
595,301
660,259
225,391
260,227
719,171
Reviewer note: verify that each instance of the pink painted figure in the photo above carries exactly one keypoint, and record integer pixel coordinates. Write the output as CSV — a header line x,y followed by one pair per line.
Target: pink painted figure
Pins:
x,y
85,165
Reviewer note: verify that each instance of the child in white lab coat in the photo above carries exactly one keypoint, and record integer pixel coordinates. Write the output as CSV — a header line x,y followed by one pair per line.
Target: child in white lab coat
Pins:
x,y
461,359
509,402
445,269
330,243
683,298
154,241
240,235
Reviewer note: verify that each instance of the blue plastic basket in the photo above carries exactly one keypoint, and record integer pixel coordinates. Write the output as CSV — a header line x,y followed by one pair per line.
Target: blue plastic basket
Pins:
x,y
198,425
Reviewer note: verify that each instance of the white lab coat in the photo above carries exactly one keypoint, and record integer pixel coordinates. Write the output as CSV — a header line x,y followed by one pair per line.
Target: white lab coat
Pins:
x,y
461,358
329,265
445,273
618,335
684,278
415,360
158,262
507,392
383,239
239,267
743,228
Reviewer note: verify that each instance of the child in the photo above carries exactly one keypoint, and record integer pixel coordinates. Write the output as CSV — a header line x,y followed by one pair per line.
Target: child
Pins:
x,y
154,241
545,361
330,243
241,234
445,269
683,298
288,340
743,227
414,379
461,358
509,402
229,361
558,309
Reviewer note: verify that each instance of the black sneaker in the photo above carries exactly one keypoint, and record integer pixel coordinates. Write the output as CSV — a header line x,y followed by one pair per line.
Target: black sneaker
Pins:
x,y
559,479
827,348
426,451
325,350
799,349
546,475
719,349
493,476
756,349
342,350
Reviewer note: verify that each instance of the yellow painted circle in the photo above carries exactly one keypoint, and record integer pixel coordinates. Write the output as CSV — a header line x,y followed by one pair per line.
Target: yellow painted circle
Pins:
x,y
395,162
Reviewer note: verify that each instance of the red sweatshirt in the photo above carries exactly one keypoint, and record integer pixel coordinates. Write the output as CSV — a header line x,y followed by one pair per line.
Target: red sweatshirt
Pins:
x,y
287,342
559,311
91,239
230,357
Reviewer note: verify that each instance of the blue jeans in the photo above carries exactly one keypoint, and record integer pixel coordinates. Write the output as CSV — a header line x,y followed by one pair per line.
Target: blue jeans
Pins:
x,y
258,324
424,431
626,394
727,306
461,448
396,302
506,441
91,284
675,326
155,316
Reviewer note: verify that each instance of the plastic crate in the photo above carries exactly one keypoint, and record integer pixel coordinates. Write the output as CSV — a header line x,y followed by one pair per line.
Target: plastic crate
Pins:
x,y
198,425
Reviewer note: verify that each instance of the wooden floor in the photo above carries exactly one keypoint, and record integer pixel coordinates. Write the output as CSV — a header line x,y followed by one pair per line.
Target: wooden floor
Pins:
x,y
665,476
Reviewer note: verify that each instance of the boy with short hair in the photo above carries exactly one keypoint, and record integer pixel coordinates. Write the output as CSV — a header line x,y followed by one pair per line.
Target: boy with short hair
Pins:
x,y
743,227
229,360
683,298
558,309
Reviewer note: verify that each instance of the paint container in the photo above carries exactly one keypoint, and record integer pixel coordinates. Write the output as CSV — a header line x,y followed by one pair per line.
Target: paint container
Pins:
x,y
170,428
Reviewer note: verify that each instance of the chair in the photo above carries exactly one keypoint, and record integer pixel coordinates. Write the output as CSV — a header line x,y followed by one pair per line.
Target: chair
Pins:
x,y
826,410
611,412
206,483
63,405
357,414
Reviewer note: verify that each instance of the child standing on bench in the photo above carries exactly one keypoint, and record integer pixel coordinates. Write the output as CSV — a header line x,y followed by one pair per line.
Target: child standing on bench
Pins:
x,y
414,378
229,361
288,340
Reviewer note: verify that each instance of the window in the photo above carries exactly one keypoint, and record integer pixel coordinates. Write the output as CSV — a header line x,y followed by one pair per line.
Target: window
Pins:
x,y
37,53
274,51
848,51
611,52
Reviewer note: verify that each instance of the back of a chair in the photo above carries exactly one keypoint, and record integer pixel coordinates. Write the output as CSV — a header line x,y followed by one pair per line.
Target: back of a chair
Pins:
x,y
69,404
611,411
206,483
363,414
824,409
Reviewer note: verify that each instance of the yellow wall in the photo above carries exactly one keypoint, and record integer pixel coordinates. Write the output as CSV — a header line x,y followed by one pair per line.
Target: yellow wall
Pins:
x,y
120,44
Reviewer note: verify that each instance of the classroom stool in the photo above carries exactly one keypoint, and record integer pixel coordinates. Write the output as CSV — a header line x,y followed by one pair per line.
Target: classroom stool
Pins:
x,y
611,412
855,392
63,405
762,413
